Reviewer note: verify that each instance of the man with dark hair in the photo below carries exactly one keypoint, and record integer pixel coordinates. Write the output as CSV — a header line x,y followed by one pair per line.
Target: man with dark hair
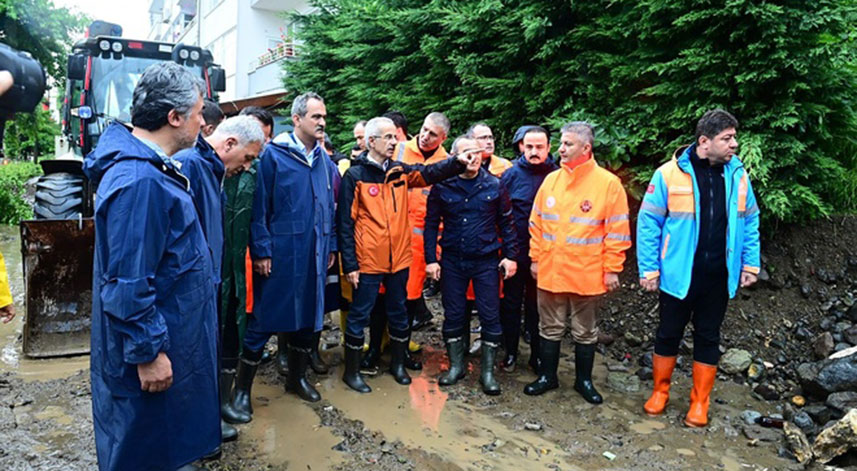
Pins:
x,y
401,123
697,242
360,134
213,115
292,238
483,135
475,211
264,116
579,232
153,299
523,181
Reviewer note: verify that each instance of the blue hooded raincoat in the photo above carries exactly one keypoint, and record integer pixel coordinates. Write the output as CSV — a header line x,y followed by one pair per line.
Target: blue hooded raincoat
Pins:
x,y
202,166
293,212
152,292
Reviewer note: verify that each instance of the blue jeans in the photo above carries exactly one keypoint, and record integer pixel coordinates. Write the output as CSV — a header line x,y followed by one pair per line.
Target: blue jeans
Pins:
x,y
364,299
456,273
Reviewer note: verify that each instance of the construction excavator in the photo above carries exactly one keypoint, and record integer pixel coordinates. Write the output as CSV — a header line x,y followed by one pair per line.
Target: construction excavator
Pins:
x,y
57,245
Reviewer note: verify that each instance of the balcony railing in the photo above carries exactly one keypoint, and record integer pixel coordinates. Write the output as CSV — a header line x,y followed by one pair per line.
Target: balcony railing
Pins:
x,y
284,49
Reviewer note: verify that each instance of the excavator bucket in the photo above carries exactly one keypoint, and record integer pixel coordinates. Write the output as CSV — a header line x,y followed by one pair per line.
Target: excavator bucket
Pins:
x,y
57,258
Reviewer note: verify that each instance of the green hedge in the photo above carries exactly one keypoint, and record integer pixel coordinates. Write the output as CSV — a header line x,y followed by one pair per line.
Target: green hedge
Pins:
x,y
13,176
643,72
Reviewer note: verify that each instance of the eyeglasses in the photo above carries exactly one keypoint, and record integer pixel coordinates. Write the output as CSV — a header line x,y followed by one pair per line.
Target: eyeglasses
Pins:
x,y
485,138
387,137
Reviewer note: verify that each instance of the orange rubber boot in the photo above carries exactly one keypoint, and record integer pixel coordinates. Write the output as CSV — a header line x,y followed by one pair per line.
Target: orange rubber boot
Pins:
x,y
703,381
662,370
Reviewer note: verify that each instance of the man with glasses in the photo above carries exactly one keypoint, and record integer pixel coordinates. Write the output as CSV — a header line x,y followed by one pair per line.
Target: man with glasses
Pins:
x,y
482,134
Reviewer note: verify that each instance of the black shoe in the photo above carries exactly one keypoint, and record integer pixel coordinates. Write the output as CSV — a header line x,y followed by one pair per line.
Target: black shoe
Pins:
x,y
296,381
412,363
431,288
243,384
315,361
266,357
282,357
352,376
584,358
227,412
398,351
457,369
418,314
547,380
215,455
509,362
525,336
228,433
490,386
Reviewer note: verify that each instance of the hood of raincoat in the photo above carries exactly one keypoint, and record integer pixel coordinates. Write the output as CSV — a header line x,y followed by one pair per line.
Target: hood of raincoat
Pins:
x,y
117,143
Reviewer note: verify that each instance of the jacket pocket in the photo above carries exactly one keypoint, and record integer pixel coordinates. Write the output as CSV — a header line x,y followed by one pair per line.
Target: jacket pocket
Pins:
x,y
295,226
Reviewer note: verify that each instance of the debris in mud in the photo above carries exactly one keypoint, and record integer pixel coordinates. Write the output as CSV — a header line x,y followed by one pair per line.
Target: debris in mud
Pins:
x,y
798,443
837,439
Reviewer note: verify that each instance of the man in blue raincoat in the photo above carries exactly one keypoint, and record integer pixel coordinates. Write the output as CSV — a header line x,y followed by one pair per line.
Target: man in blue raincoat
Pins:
x,y
154,319
229,149
291,240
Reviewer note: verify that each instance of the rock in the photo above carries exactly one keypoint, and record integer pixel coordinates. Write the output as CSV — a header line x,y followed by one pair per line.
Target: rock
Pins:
x,y
605,339
803,334
822,346
645,374
632,339
842,402
841,346
767,392
532,426
819,413
646,360
798,443
836,440
756,372
850,335
749,417
735,361
762,434
623,382
851,313
799,401
806,291
833,375
804,422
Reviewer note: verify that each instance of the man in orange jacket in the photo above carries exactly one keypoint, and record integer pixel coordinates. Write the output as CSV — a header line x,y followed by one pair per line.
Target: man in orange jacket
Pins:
x,y
424,149
579,233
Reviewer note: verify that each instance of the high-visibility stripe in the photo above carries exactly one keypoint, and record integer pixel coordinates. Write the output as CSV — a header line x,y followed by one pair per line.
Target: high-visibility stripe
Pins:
x,y
532,224
579,241
617,218
752,210
682,215
749,269
742,214
418,231
587,221
549,237
621,237
549,216
649,275
332,279
426,192
653,209
401,153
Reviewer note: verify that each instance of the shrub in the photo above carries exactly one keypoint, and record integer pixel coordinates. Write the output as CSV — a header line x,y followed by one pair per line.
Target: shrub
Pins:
x,y
13,176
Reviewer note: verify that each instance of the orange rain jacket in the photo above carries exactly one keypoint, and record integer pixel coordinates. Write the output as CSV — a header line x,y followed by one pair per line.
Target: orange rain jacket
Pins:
x,y
579,229
409,153
497,165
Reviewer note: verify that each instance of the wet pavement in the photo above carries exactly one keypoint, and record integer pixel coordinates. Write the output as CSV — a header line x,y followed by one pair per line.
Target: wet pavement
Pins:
x,y
46,424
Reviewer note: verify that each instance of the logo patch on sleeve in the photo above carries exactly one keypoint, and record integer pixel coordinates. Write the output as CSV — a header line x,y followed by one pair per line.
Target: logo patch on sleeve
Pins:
x,y
374,190
651,189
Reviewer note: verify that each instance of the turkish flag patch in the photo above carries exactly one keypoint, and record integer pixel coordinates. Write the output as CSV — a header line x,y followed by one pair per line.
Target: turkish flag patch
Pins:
x,y
374,190
651,189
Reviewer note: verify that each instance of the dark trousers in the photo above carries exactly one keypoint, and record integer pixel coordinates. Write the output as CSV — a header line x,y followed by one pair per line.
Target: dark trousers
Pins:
x,y
255,339
231,338
394,302
456,274
517,290
705,306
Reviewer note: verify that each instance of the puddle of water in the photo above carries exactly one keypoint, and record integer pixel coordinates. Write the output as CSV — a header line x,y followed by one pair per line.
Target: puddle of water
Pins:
x,y
55,413
730,464
421,417
287,431
647,426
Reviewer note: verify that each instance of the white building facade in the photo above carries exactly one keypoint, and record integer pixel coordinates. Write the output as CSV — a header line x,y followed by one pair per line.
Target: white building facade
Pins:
x,y
248,38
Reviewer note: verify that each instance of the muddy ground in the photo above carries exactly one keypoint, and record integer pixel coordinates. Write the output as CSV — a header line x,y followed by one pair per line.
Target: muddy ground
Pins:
x,y
45,417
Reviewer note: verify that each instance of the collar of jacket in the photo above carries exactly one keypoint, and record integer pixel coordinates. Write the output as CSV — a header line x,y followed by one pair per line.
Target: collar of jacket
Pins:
x,y
413,146
210,155
682,158
581,169
116,144
543,168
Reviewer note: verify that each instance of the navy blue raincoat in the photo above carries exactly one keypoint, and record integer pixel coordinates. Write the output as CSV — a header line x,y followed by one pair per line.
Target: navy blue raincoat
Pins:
x,y
522,181
202,166
152,292
293,212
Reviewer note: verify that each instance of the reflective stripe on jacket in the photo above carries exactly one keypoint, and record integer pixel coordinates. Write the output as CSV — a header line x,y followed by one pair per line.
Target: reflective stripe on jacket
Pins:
x,y
579,229
668,225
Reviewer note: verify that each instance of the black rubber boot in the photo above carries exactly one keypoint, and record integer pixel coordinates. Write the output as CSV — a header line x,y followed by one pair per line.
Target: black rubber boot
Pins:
x,y
377,324
411,363
228,433
490,386
455,348
315,362
584,358
398,351
227,412
351,376
243,384
418,313
547,380
535,361
296,381
282,359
